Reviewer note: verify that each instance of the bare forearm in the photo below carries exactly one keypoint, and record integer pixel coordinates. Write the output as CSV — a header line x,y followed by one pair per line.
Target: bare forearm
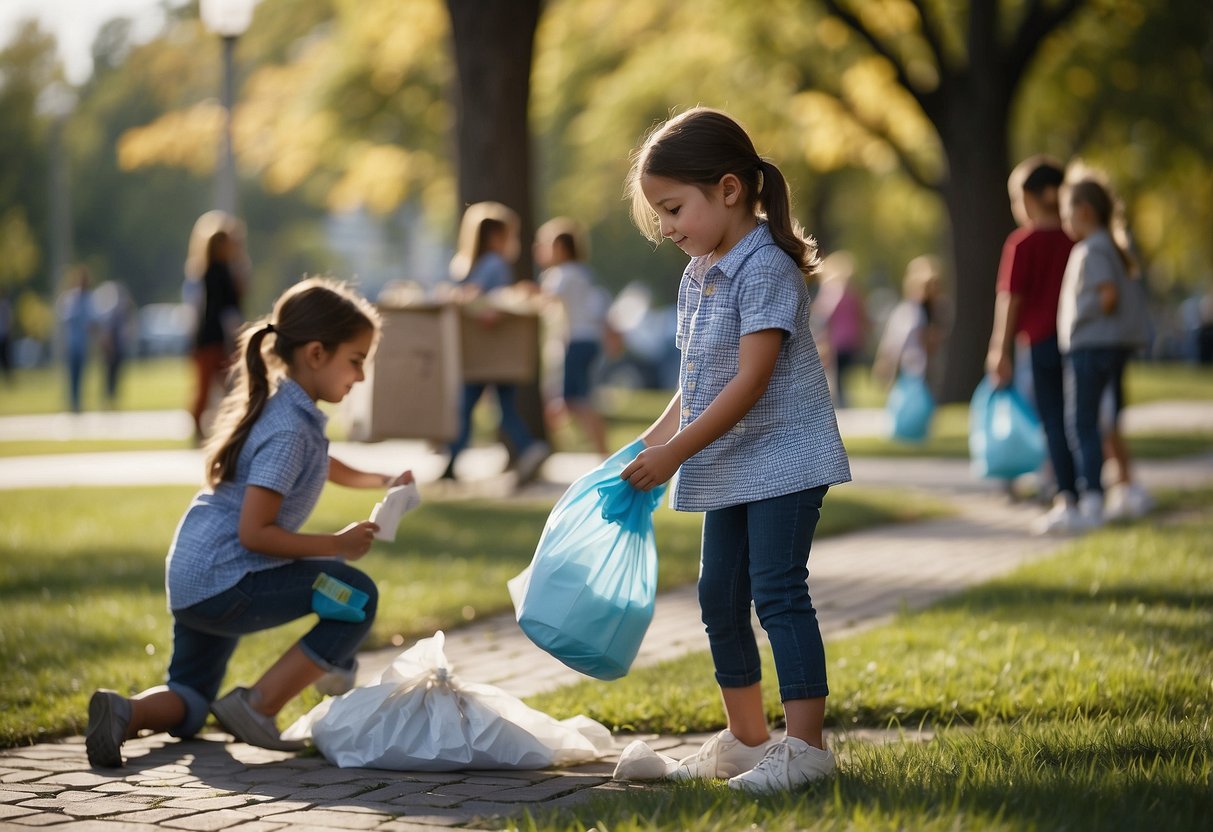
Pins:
x,y
277,542
728,408
343,474
1006,321
662,430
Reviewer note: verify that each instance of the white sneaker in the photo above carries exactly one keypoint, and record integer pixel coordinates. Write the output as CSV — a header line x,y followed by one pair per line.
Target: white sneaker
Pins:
x,y
1062,518
721,757
1127,501
788,765
530,460
1090,509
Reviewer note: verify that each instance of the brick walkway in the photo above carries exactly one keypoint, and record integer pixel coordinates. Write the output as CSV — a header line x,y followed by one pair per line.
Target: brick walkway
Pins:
x,y
209,783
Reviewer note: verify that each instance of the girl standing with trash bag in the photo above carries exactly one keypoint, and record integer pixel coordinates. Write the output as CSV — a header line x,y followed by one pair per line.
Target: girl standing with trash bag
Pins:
x,y
751,433
238,563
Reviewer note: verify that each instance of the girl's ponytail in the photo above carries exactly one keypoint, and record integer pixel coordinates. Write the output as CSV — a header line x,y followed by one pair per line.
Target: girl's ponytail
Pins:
x,y
315,309
240,409
776,202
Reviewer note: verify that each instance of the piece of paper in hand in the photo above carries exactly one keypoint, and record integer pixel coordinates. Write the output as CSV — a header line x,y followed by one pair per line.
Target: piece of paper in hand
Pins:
x,y
398,502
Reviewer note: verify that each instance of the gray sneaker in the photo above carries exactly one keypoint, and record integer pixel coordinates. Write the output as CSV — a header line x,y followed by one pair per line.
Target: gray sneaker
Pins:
x,y
240,719
530,460
109,715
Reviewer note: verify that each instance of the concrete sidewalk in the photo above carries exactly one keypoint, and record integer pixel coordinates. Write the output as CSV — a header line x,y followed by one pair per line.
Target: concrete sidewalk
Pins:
x,y
209,783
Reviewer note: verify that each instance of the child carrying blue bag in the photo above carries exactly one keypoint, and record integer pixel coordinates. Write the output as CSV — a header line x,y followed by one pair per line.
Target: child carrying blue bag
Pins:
x,y
587,597
1005,436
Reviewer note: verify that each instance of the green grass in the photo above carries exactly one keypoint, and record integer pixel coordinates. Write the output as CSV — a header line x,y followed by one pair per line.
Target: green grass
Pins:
x,y
151,384
1144,773
82,583
1074,693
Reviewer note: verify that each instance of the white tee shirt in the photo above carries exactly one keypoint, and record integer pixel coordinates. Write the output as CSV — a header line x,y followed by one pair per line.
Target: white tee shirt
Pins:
x,y
584,303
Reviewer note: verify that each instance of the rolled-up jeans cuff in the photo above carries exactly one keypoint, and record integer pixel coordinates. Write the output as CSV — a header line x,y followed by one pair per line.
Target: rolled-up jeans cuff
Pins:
x,y
791,692
738,681
321,662
196,710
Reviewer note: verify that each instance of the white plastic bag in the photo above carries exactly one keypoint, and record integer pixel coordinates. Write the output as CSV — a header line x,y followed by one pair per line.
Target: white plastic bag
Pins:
x,y
418,716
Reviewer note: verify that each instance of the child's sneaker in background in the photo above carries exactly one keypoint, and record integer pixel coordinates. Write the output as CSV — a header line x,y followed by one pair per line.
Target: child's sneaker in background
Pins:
x,y
1090,509
1127,501
1062,518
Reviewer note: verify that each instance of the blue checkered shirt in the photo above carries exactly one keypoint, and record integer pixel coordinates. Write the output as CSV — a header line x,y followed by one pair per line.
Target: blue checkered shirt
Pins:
x,y
789,440
286,452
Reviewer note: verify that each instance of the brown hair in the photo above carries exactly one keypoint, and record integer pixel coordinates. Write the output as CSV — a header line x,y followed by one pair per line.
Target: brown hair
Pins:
x,y
567,233
1037,175
698,148
480,222
315,309
1088,187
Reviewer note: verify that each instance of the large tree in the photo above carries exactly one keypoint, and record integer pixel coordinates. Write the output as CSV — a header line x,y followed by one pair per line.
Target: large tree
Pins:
x,y
968,99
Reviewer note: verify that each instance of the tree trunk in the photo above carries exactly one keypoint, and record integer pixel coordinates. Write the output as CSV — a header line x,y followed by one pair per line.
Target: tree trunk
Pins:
x,y
974,137
493,46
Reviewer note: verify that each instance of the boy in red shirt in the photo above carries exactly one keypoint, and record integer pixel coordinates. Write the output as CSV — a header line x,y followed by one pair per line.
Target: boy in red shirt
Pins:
x,y
1029,284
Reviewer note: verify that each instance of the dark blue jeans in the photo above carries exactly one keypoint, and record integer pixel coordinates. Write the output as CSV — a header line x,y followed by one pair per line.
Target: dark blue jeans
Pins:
x,y
760,551
515,429
205,635
1091,371
1048,388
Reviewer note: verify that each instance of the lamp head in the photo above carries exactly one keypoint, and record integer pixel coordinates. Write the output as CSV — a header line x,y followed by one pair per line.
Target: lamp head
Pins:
x,y
227,18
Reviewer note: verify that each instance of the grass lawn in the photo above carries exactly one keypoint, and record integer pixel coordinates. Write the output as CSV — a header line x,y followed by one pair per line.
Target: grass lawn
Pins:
x,y
1074,693
147,384
82,583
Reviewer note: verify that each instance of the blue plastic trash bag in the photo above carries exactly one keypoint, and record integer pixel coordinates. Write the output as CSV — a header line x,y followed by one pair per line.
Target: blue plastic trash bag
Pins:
x,y
587,597
1005,437
910,406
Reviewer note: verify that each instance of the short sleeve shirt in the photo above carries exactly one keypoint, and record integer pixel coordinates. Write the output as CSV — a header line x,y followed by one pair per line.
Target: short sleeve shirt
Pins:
x,y
490,272
287,453
1081,322
1032,265
789,440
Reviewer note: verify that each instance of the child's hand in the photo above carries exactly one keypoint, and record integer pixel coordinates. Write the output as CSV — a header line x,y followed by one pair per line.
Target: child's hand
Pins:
x,y
391,482
652,467
355,540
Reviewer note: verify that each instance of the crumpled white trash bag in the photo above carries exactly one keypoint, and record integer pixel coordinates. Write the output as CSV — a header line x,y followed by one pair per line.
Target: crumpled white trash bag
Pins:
x,y
639,762
418,716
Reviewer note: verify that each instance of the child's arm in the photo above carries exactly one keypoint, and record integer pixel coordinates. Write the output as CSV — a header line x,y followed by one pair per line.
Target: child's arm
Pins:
x,y
756,361
343,474
666,425
259,532
1109,297
1002,338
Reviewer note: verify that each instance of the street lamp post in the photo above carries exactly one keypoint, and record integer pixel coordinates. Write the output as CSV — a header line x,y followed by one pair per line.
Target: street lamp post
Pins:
x,y
229,19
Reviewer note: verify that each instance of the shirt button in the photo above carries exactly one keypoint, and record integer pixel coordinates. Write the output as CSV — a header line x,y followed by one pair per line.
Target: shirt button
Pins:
x,y
686,413
690,366
710,289
690,385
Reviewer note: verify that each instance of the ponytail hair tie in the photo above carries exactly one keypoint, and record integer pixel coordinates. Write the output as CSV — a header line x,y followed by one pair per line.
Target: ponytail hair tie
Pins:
x,y
269,329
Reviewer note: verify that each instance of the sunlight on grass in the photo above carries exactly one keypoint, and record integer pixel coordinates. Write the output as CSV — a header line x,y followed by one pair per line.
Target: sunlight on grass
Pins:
x,y
1072,694
82,602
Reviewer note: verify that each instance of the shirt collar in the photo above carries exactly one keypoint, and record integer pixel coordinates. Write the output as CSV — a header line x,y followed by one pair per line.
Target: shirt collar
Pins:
x,y
296,395
756,237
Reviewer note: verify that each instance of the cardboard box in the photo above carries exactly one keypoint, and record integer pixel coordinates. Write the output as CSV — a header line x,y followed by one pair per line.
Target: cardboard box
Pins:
x,y
498,346
413,388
